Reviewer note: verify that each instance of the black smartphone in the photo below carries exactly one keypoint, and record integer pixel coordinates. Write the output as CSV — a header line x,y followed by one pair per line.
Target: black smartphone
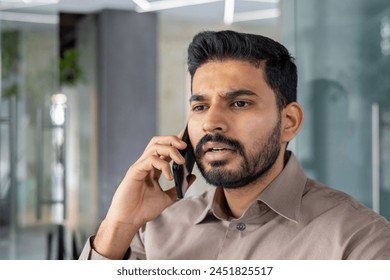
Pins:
x,y
181,172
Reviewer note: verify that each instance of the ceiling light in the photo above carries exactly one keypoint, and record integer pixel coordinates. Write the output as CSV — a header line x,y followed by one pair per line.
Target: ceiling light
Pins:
x,y
57,109
257,15
229,12
143,4
168,4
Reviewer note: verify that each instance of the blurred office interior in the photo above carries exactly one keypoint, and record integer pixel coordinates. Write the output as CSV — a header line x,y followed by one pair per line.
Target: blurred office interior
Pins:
x,y
85,84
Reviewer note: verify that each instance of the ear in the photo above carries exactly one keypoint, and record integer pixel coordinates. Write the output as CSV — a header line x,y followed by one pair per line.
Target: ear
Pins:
x,y
292,119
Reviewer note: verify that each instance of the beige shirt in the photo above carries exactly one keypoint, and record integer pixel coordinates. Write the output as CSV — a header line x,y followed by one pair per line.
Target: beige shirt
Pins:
x,y
294,218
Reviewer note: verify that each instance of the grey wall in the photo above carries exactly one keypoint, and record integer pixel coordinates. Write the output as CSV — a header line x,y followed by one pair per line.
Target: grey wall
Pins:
x,y
127,94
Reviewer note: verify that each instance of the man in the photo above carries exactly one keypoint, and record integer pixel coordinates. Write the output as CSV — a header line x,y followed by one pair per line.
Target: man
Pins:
x,y
243,115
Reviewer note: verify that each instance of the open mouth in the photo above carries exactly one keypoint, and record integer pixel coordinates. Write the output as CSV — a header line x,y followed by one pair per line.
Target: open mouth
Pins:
x,y
216,150
211,147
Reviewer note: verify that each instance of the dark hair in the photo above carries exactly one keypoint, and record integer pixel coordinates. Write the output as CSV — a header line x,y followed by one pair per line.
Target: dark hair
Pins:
x,y
279,67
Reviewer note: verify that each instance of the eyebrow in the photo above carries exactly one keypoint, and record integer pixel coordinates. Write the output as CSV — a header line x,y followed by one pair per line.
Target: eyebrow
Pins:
x,y
228,95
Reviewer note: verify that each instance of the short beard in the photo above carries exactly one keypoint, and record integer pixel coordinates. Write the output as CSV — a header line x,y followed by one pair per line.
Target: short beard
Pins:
x,y
253,167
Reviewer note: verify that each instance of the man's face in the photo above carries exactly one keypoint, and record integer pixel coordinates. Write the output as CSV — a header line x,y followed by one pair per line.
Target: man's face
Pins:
x,y
234,123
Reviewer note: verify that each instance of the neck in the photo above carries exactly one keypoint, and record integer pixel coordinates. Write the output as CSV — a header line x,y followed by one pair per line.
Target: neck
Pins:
x,y
238,200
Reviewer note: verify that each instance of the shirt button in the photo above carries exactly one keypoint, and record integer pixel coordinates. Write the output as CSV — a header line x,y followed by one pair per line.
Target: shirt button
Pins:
x,y
241,226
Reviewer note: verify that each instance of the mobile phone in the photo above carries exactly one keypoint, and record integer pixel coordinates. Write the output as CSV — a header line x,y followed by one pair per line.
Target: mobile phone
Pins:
x,y
181,172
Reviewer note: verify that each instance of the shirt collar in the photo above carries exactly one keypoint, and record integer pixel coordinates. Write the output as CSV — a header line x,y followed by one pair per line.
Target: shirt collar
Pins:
x,y
209,207
283,195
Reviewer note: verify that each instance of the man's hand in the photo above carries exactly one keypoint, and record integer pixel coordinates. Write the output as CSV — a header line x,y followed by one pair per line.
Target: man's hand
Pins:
x,y
139,197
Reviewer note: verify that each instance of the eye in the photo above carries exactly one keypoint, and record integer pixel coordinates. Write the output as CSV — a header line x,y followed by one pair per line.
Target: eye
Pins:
x,y
198,108
240,104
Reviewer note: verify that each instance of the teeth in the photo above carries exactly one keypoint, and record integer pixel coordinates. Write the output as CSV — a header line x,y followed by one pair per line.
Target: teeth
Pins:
x,y
217,149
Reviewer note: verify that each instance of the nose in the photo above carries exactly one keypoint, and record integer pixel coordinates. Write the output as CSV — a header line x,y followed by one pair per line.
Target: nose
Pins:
x,y
215,120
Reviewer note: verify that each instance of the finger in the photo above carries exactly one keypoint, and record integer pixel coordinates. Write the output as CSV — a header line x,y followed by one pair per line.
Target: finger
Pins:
x,y
164,148
163,166
166,152
170,140
152,165
155,174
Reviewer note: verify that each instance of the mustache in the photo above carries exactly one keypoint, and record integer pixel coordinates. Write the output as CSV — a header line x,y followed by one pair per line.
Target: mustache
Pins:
x,y
218,138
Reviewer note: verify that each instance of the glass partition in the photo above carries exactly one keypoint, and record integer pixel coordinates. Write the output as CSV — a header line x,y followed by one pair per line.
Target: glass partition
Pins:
x,y
343,55
31,151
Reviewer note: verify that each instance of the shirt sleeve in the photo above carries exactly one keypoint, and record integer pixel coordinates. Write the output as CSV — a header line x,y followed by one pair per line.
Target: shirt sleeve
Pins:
x,y
138,253
370,242
88,253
